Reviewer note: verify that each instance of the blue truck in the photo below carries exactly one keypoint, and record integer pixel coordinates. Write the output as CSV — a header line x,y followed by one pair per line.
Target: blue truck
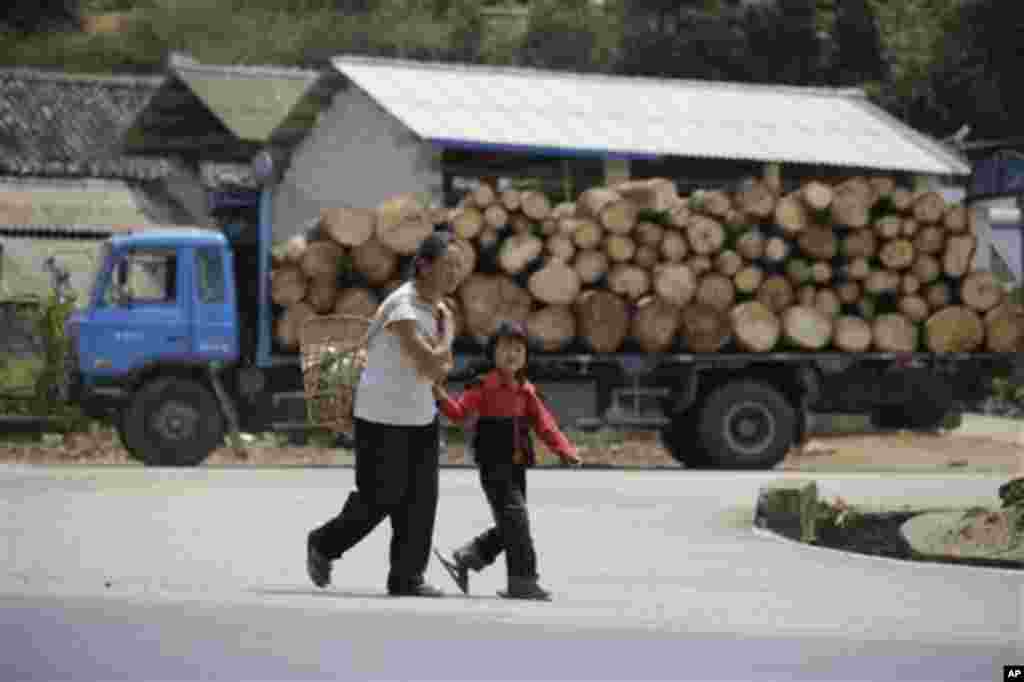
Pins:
x,y
174,347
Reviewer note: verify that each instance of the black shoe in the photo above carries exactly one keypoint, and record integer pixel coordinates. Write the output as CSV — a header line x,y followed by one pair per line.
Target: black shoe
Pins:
x,y
318,567
458,570
418,590
525,588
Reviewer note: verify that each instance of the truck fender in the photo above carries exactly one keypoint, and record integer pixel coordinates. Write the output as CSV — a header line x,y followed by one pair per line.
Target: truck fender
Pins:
x,y
685,393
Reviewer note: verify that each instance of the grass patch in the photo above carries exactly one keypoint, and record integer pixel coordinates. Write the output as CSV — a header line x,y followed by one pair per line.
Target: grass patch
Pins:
x,y
19,374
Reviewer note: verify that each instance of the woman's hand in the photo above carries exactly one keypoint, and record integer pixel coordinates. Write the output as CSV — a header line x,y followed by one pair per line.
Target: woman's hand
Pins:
x,y
447,326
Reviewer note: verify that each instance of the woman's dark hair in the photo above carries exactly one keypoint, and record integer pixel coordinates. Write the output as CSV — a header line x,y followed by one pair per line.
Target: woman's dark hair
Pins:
x,y
431,249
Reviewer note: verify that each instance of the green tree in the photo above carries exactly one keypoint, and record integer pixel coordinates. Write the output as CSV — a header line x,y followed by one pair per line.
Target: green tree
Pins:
x,y
34,16
858,44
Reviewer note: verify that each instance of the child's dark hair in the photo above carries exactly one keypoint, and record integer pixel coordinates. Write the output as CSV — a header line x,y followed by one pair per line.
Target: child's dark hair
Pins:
x,y
509,330
431,249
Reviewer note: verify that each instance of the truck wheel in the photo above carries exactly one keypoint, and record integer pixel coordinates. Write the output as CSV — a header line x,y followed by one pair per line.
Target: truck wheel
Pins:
x,y
173,422
746,425
680,440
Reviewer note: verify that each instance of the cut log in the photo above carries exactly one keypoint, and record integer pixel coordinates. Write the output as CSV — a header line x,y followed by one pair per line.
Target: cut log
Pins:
x,y
287,285
705,235
511,200
495,215
591,265
321,294
549,226
910,284
748,280
897,254
859,186
929,208
535,205
483,195
915,308
882,282
295,249
926,268
957,219
357,301
556,283
716,290
674,247
653,194
798,270
755,327
894,333
560,246
522,224
852,334
349,226
882,186
850,209
826,301
867,308
518,251
486,300
602,320
608,209
728,263
956,329
646,257
909,228
930,240
889,227
791,214
981,291
959,254
819,243
631,281
566,209
859,244
289,324
467,222
776,293
655,324
817,195
751,245
705,329
679,216
848,292
756,199
902,199
675,283
1004,329
376,262
938,295
807,328
859,269
776,250
403,223
323,260
821,272
586,233
619,247
551,327
279,255
806,295
649,234
715,203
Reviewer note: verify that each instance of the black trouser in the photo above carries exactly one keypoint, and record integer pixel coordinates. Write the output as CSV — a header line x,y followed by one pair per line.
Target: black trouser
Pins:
x,y
396,477
504,484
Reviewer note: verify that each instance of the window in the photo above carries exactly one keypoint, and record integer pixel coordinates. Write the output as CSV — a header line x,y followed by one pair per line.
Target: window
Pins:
x,y
210,275
144,276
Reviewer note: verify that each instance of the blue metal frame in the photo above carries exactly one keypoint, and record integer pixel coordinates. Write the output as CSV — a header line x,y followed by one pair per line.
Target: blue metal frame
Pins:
x,y
263,307
542,151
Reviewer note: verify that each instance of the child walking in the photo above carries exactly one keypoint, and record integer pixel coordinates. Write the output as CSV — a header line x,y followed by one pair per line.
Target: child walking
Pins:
x,y
506,406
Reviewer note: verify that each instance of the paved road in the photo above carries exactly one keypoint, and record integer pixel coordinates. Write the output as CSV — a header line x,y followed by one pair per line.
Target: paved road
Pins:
x,y
167,574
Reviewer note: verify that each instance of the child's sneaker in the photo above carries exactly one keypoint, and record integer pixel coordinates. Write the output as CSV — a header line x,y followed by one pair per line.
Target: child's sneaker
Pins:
x,y
525,588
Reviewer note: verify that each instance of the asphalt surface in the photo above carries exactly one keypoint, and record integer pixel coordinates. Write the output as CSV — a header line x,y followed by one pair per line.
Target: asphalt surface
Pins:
x,y
110,574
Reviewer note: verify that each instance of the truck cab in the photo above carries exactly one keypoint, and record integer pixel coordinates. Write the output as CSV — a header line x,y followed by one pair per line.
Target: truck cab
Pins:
x,y
160,321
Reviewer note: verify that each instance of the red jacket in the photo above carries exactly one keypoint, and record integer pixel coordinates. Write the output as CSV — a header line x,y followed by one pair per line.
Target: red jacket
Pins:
x,y
498,396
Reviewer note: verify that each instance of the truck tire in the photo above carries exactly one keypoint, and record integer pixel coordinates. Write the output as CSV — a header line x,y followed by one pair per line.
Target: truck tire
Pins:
x,y
746,425
680,440
173,422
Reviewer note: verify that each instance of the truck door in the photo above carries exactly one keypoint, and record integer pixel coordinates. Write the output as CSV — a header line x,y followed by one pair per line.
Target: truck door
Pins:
x,y
215,331
141,315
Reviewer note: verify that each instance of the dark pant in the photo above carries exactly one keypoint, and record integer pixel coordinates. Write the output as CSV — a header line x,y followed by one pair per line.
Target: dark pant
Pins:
x,y
396,477
504,485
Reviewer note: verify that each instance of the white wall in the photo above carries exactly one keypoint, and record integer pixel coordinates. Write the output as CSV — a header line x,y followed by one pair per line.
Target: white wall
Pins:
x,y
357,155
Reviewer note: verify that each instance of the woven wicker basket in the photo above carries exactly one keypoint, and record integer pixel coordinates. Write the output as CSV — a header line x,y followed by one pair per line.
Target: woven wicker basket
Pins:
x,y
333,358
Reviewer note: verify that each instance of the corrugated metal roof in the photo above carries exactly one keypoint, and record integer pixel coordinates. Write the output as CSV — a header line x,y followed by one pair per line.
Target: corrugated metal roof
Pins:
x,y
585,114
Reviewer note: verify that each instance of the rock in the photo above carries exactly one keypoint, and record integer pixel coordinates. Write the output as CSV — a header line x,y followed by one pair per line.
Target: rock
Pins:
x,y
789,508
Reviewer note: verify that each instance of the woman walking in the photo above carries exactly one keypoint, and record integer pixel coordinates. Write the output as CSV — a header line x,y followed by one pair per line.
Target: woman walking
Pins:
x,y
396,427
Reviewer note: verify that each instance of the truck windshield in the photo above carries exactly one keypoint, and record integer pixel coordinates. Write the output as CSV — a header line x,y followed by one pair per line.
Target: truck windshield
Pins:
x,y
146,276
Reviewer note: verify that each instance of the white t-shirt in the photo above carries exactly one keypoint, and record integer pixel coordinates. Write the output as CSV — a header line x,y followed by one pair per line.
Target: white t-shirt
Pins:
x,y
390,390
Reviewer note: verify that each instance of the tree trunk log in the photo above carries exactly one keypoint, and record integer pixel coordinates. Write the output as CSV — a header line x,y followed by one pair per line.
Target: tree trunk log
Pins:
x,y
807,328
705,329
349,226
956,329
591,265
897,254
929,208
323,260
518,251
915,308
376,262
556,283
655,324
716,290
631,281
674,247
402,224
706,235
553,327
959,254
1004,329
852,334
755,327
894,333
776,293
488,299
602,319
675,283
981,291
287,285
749,279
791,214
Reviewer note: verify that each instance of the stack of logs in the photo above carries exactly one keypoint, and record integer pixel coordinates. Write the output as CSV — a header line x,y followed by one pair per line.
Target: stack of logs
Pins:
x,y
858,265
